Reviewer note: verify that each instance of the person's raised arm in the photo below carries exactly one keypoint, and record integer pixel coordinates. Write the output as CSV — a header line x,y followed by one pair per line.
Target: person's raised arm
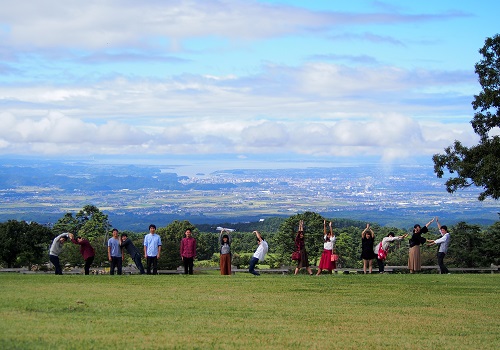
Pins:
x,y
438,223
430,222
324,228
364,231
259,237
331,229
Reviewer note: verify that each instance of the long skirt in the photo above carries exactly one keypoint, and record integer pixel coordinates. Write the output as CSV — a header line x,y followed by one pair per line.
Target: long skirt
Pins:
x,y
414,259
326,263
304,259
225,264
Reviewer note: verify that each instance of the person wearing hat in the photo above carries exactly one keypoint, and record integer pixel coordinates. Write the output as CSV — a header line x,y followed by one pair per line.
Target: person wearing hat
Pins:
x,y
384,245
56,249
86,250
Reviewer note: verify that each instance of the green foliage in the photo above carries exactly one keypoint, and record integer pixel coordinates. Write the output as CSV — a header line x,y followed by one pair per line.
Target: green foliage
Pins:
x,y
479,165
171,236
89,223
206,245
23,244
490,245
284,240
465,250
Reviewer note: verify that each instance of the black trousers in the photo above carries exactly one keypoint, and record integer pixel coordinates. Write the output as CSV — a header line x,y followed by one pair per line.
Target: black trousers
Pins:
x,y
152,261
138,263
57,265
188,265
88,262
116,262
440,257
381,264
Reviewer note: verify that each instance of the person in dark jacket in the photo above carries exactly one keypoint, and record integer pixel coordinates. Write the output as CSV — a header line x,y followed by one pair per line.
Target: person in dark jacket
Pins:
x,y
414,263
126,243
86,249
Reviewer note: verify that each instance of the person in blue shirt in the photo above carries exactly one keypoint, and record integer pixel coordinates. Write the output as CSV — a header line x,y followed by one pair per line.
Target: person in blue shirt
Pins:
x,y
152,250
115,253
443,243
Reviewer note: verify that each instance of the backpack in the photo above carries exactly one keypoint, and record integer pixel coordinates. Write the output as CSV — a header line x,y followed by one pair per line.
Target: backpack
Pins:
x,y
382,254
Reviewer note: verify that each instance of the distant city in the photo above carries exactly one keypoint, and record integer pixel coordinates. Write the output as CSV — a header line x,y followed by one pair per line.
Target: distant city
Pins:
x,y
135,195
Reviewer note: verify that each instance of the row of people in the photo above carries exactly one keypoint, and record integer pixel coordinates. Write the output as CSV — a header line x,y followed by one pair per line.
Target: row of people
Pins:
x,y
152,252
370,252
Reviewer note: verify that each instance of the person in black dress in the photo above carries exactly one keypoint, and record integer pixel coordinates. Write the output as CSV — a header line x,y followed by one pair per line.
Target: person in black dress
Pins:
x,y
367,254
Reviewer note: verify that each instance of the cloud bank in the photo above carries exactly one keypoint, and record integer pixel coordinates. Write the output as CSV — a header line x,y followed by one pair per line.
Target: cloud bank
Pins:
x,y
224,77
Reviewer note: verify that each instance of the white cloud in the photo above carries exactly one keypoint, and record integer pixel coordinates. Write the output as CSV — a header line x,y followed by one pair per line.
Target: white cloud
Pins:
x,y
116,23
388,137
105,98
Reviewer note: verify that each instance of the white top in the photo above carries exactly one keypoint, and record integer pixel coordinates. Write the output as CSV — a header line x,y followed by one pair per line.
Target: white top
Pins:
x,y
56,246
329,245
385,243
261,251
443,242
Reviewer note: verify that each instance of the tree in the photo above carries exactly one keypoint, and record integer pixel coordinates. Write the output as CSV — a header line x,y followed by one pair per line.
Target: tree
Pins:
x,y
479,165
24,244
465,249
491,245
284,241
171,236
90,223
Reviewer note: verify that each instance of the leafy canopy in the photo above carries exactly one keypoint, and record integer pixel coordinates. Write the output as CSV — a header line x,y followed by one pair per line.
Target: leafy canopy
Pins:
x,y
479,165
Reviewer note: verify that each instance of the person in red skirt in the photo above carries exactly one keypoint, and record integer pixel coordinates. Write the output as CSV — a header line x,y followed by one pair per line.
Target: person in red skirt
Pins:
x,y
326,262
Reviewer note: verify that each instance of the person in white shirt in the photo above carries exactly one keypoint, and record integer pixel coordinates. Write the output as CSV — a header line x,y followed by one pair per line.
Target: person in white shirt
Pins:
x,y
384,245
444,243
56,249
259,254
326,262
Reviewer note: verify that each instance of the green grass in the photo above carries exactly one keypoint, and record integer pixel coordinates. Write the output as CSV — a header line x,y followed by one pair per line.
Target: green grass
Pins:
x,y
397,311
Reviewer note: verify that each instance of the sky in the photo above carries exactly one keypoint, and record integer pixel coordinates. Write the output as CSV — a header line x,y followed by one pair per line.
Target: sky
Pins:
x,y
313,82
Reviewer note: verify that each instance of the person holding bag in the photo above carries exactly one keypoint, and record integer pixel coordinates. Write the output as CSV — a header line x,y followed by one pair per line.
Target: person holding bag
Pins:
x,y
300,245
326,262
382,248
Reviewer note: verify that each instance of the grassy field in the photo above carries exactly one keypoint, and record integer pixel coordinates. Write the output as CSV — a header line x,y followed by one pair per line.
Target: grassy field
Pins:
x,y
388,311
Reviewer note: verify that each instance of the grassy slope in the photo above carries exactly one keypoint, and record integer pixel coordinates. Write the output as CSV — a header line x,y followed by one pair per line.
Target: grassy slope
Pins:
x,y
243,311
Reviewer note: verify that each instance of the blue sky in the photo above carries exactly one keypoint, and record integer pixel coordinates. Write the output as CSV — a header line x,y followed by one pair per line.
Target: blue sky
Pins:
x,y
319,82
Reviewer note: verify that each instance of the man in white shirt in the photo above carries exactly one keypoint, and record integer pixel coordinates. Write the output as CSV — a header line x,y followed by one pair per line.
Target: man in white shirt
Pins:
x,y
259,254
444,243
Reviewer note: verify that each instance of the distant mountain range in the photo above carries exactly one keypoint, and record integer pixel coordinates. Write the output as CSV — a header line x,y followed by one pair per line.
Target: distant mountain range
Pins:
x,y
133,196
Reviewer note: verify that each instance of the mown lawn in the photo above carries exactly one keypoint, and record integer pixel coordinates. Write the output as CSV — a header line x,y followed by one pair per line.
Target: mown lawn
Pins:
x,y
399,311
